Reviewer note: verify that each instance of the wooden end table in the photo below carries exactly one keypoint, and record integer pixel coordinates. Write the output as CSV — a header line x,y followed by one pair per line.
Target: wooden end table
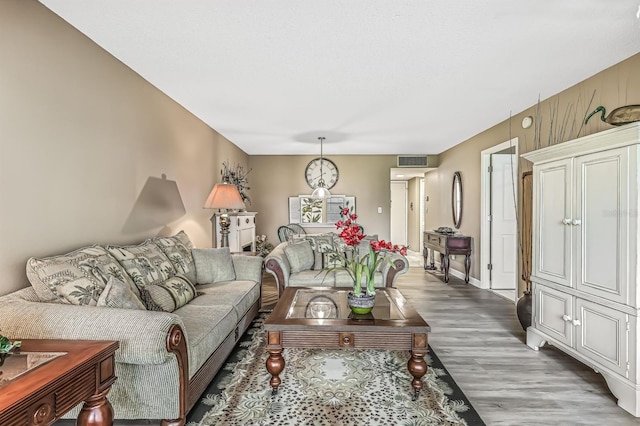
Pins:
x,y
83,370
319,317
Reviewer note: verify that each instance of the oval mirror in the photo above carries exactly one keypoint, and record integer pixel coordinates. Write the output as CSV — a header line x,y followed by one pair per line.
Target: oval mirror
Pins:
x,y
456,199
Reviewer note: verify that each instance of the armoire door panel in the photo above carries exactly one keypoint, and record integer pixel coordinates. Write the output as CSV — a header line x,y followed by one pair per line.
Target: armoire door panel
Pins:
x,y
552,252
601,210
601,334
554,313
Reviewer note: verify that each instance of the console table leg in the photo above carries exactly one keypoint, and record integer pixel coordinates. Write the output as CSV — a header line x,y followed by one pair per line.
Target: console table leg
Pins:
x,y
96,411
446,268
275,365
467,267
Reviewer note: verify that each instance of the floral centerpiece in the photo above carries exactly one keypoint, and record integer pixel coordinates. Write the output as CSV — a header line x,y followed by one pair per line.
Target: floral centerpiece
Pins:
x,y
361,264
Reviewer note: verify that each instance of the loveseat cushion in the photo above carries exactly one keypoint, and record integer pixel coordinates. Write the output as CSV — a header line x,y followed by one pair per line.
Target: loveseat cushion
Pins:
x,y
312,279
145,263
76,278
117,294
213,265
239,294
206,326
178,250
300,255
171,294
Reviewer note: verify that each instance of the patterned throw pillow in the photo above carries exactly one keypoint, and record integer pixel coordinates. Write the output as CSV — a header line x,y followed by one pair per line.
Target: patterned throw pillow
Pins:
x,y
117,294
213,265
76,278
146,264
178,250
300,256
171,294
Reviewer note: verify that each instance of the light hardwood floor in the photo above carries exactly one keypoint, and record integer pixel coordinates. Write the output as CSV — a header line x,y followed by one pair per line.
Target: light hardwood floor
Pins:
x,y
478,337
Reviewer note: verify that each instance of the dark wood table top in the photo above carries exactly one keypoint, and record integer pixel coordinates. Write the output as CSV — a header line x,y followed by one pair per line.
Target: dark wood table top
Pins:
x,y
295,311
58,374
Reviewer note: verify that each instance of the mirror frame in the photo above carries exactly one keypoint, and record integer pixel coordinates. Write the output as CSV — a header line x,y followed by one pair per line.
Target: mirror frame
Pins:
x,y
456,198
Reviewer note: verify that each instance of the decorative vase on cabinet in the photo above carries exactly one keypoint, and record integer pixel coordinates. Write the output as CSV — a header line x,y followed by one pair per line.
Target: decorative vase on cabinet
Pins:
x,y
585,257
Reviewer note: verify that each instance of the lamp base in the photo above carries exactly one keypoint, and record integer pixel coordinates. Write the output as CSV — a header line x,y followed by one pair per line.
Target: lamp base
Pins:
x,y
224,230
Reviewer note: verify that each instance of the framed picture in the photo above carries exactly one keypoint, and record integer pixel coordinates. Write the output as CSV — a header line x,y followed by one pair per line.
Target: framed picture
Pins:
x,y
305,210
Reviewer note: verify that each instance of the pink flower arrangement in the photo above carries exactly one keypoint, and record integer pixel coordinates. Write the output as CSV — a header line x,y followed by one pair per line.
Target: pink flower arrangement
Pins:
x,y
363,266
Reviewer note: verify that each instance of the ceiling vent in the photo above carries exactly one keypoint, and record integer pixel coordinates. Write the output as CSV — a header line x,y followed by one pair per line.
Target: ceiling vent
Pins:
x,y
417,161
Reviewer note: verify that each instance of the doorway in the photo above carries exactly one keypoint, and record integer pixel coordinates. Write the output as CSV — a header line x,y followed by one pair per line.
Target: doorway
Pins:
x,y
398,212
499,231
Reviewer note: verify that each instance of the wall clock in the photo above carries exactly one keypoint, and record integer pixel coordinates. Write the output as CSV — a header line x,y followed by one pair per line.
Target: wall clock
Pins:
x,y
329,171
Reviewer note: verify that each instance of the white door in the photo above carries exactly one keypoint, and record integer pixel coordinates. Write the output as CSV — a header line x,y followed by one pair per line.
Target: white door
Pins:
x,y
399,212
504,237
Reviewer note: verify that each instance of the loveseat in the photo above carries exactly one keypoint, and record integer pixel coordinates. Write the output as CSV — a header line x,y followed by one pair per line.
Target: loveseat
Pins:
x,y
177,312
307,261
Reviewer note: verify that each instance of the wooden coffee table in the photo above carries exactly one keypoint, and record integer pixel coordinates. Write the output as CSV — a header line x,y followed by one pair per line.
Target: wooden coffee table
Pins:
x,y
78,370
318,317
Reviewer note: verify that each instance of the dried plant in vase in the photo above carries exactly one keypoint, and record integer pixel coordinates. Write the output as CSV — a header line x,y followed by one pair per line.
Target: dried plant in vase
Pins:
x,y
237,175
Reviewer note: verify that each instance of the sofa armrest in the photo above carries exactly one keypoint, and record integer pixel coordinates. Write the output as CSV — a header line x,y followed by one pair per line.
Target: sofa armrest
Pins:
x,y
247,268
389,274
142,334
277,264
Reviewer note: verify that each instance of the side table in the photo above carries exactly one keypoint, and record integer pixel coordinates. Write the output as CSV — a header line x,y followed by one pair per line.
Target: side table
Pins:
x,y
84,371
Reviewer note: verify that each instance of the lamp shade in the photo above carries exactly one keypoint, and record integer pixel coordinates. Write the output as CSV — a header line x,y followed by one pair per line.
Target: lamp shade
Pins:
x,y
224,196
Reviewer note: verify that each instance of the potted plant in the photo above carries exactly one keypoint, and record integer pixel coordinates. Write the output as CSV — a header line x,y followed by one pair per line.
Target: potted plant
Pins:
x,y
6,346
359,262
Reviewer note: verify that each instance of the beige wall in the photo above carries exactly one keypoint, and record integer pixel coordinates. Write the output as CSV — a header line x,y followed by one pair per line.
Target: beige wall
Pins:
x,y
614,87
274,178
80,134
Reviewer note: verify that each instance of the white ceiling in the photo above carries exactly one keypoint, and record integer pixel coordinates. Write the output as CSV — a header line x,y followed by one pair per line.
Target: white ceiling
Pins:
x,y
372,76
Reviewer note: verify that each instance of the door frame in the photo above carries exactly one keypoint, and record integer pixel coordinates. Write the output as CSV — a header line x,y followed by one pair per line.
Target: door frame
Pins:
x,y
485,203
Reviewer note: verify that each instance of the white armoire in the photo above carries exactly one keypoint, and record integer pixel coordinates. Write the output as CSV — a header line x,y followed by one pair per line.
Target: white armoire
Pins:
x,y
585,255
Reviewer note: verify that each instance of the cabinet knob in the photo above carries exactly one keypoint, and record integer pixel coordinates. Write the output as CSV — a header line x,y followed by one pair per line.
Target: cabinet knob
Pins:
x,y
576,222
566,317
566,221
246,220
576,322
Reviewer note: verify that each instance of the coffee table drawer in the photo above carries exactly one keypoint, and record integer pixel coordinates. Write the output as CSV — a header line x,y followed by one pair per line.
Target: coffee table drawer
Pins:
x,y
346,339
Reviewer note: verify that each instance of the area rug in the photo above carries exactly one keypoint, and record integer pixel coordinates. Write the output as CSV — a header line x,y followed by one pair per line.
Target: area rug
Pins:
x,y
329,387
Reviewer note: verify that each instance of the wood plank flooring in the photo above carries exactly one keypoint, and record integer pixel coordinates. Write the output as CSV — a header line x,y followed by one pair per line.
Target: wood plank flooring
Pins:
x,y
478,337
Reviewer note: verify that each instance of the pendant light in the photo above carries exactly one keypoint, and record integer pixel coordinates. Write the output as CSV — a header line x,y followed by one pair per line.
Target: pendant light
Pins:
x,y
321,192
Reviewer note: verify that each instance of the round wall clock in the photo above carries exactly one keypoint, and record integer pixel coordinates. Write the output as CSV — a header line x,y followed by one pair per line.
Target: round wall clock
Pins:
x,y
329,173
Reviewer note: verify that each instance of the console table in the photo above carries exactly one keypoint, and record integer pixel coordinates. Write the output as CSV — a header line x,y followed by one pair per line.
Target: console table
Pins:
x,y
447,244
84,370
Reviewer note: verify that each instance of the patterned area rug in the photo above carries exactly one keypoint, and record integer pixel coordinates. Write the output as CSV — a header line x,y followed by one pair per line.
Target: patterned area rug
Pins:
x,y
329,387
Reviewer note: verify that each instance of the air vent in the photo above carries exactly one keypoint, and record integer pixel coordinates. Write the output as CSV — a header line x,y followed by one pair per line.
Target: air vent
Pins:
x,y
417,161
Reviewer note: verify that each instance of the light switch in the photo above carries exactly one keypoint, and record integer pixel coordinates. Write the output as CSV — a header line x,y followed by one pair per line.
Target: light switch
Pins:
x,y
379,209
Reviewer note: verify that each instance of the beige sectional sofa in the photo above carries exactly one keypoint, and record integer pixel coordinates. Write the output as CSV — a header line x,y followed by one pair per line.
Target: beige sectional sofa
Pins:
x,y
177,312
304,262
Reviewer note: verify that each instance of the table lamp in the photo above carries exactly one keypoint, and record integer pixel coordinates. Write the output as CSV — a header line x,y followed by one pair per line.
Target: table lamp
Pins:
x,y
224,196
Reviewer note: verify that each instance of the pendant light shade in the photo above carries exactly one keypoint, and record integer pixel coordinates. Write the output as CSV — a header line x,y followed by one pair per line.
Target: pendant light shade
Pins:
x,y
321,191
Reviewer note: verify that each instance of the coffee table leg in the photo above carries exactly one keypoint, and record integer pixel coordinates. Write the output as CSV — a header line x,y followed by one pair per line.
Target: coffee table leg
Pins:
x,y
96,411
275,365
275,362
417,365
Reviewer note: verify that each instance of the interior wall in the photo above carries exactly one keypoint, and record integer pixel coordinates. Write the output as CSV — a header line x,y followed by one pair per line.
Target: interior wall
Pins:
x,y
413,215
81,134
274,178
614,87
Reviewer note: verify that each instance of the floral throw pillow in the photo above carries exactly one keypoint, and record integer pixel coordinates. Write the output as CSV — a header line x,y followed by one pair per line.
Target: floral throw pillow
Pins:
x,y
178,250
76,278
117,294
172,293
145,263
